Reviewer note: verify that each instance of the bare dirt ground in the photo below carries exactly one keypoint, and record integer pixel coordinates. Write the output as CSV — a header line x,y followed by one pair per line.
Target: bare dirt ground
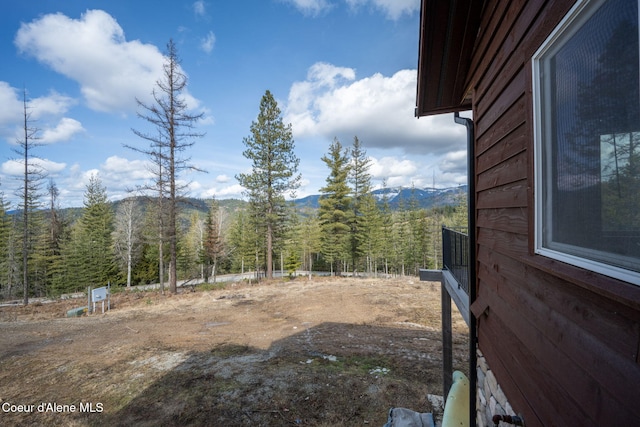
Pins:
x,y
325,352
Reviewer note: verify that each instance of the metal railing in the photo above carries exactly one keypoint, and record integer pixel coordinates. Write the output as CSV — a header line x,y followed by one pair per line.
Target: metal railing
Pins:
x,y
455,255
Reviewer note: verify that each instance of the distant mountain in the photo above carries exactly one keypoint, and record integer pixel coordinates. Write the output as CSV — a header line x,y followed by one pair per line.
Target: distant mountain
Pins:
x,y
404,196
397,197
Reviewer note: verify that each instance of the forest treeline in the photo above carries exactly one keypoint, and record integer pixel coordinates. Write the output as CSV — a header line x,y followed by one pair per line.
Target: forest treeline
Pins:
x,y
103,242
155,236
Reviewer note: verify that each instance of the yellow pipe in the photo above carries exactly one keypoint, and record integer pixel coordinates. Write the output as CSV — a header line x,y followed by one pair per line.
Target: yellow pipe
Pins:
x,y
456,408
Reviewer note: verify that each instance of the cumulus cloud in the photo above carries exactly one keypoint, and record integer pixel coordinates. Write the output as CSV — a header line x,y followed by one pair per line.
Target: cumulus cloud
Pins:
x,y
393,9
11,110
454,162
64,131
51,105
332,102
231,191
310,7
391,167
47,167
93,51
207,43
42,109
117,168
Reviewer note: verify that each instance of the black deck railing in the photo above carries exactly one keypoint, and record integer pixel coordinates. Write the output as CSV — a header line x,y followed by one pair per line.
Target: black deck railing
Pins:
x,y
455,255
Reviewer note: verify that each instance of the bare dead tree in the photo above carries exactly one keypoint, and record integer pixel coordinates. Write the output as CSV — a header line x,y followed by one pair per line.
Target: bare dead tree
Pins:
x,y
174,124
127,234
31,183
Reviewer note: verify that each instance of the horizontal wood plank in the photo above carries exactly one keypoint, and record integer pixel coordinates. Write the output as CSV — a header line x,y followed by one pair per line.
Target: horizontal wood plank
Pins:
x,y
522,379
510,170
508,244
493,111
613,324
512,220
512,195
509,138
574,377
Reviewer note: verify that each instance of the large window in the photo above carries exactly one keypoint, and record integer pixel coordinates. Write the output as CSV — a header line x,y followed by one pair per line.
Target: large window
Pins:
x,y
586,83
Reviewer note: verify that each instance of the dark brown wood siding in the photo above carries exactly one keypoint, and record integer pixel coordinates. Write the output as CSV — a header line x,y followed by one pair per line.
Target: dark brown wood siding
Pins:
x,y
563,342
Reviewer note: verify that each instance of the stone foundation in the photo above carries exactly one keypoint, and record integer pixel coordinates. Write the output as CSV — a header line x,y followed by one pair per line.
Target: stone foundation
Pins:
x,y
490,400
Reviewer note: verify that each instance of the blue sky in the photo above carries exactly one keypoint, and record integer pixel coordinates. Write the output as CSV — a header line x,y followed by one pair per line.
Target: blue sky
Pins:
x,y
338,68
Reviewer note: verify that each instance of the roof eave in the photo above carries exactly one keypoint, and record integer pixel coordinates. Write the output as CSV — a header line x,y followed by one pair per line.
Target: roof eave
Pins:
x,y
448,33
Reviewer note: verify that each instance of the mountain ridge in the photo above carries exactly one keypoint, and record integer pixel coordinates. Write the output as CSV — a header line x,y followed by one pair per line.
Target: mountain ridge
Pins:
x,y
397,197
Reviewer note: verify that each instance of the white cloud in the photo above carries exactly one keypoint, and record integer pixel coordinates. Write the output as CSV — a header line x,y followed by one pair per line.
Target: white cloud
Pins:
x,y
199,8
15,168
454,162
391,167
222,179
379,110
207,43
310,7
42,110
64,131
117,168
393,9
111,71
231,191
51,105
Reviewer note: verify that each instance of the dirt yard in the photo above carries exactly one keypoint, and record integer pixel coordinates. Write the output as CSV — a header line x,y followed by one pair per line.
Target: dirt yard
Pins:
x,y
325,352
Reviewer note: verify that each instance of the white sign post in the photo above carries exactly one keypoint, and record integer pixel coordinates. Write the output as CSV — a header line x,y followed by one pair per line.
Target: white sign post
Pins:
x,y
99,294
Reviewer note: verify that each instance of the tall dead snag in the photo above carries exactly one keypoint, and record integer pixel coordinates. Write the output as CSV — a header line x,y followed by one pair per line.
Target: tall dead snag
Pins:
x,y
174,134
28,193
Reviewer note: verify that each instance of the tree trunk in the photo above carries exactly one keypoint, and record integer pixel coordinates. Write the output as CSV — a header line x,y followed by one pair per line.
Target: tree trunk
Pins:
x,y
269,250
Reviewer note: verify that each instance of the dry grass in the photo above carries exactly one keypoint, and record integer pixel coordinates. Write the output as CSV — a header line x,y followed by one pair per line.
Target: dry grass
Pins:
x,y
330,352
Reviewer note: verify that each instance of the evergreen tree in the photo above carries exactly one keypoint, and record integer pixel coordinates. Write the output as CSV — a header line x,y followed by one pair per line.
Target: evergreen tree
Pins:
x,y
5,246
334,207
45,251
309,240
360,181
386,220
372,232
95,236
190,247
274,173
212,245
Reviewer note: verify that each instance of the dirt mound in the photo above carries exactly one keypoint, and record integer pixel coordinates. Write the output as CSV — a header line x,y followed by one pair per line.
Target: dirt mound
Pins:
x,y
325,352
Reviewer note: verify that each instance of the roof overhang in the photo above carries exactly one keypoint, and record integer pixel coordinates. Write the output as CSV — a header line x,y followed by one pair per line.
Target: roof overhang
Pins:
x,y
448,31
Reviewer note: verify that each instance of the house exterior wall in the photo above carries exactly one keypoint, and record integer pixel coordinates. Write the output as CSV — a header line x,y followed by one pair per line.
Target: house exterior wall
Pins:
x,y
562,342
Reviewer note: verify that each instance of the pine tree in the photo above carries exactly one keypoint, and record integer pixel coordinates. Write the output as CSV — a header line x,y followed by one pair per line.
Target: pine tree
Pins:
x,y
95,235
56,232
309,240
190,247
242,238
334,207
372,232
212,245
5,239
386,219
274,173
360,181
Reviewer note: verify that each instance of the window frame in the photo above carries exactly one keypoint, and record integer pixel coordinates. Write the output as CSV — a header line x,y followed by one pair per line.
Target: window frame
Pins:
x,y
580,13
